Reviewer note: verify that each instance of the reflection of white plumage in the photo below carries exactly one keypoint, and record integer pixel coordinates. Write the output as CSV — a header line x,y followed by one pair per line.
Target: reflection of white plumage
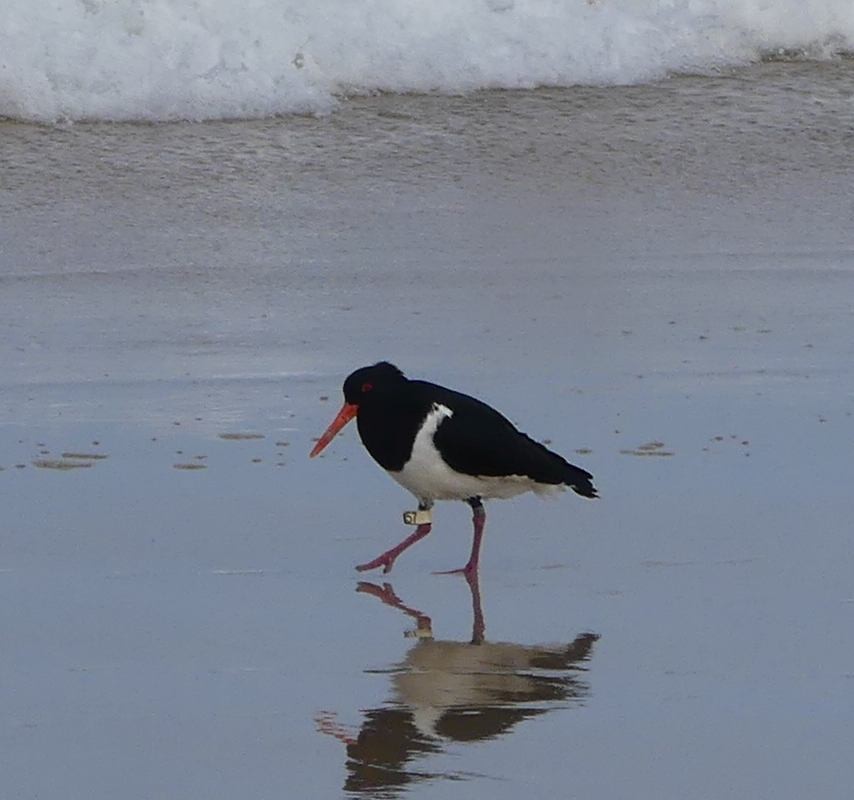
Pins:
x,y
447,691
491,685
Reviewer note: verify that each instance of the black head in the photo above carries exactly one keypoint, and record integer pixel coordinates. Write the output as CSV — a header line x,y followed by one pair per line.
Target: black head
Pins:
x,y
367,379
357,389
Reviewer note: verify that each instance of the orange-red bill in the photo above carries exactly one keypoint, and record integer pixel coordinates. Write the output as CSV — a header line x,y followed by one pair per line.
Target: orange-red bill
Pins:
x,y
347,412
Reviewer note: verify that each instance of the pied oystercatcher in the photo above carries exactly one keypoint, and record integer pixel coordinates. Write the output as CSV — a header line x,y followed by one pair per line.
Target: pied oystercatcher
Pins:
x,y
443,445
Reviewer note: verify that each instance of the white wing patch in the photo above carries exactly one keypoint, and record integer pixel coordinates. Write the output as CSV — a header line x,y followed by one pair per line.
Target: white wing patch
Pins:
x,y
428,477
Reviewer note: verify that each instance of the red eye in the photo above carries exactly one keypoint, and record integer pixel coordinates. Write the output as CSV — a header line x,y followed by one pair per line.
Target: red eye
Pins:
x,y
366,387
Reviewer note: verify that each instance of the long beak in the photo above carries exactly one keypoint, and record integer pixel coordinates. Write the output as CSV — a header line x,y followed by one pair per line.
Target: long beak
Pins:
x,y
347,412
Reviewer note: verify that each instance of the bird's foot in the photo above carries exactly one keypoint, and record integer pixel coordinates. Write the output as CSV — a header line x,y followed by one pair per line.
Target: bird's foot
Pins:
x,y
469,571
385,561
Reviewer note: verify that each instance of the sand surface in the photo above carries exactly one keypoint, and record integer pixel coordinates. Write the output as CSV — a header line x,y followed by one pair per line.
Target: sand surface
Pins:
x,y
658,279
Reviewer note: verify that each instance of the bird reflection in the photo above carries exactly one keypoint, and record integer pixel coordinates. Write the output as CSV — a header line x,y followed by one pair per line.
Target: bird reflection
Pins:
x,y
448,692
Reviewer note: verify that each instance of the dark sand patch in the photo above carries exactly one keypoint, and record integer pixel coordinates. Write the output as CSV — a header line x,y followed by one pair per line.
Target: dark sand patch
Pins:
x,y
60,463
190,466
237,437
86,456
648,449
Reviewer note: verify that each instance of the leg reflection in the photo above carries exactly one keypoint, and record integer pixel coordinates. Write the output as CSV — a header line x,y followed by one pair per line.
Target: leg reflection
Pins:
x,y
385,593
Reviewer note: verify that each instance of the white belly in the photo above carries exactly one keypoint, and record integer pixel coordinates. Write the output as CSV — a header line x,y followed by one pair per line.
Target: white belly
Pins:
x,y
428,477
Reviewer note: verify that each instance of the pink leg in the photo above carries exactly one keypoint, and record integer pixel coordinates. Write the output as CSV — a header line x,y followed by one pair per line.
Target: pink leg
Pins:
x,y
386,560
479,521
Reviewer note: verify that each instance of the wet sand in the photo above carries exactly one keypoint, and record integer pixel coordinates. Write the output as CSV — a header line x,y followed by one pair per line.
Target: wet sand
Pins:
x,y
657,279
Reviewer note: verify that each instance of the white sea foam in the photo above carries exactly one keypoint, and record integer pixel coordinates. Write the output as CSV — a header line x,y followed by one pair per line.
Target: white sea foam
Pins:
x,y
203,59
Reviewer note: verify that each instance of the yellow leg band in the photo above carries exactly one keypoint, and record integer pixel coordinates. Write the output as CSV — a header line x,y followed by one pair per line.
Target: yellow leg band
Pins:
x,y
420,517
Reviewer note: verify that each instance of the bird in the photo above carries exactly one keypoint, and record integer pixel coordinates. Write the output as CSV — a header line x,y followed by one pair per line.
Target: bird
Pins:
x,y
441,444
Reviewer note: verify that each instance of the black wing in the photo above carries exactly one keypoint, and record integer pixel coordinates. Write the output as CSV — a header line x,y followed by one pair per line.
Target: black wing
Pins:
x,y
478,440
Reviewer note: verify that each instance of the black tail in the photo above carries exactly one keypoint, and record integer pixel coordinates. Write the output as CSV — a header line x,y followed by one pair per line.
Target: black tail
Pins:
x,y
546,466
580,481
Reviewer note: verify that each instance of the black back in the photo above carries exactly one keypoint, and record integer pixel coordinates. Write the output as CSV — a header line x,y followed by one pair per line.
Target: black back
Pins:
x,y
478,440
